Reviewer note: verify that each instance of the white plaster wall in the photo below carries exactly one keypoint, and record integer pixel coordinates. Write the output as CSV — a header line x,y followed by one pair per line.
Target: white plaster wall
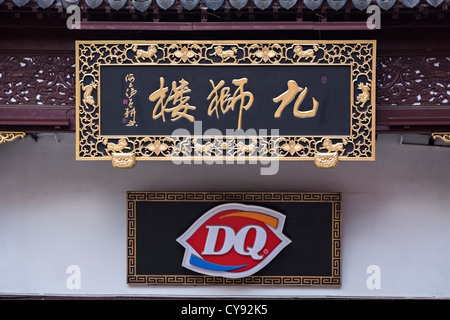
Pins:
x,y
56,212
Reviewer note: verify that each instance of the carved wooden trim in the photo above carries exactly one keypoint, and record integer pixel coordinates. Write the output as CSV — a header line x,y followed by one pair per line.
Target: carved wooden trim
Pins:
x,y
37,80
49,80
411,91
413,81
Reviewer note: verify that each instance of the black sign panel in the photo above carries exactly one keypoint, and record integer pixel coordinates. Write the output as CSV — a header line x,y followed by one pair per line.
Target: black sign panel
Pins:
x,y
156,220
329,86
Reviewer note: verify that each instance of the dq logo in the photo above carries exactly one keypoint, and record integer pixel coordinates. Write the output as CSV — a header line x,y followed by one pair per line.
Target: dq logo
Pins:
x,y
233,240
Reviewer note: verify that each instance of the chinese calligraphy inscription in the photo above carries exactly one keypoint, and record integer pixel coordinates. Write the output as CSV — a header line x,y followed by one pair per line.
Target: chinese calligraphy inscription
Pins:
x,y
130,111
221,100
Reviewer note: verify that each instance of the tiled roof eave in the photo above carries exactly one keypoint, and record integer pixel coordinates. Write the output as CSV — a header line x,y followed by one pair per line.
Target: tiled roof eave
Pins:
x,y
213,5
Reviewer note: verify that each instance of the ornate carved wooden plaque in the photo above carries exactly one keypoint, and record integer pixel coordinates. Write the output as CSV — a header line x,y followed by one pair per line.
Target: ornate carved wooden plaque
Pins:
x,y
225,100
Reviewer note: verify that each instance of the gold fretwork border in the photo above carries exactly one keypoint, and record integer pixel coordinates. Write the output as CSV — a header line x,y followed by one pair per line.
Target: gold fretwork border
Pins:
x,y
444,136
8,136
324,150
334,198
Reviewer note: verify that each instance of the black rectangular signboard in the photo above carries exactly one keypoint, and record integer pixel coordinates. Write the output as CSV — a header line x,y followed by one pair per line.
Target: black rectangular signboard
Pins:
x,y
226,100
329,85
157,220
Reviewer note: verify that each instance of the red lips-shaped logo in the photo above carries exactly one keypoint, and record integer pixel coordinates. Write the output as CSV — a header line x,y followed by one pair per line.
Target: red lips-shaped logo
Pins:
x,y
233,240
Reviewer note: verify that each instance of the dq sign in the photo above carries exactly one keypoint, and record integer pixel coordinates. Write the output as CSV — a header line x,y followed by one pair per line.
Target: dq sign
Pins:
x,y
233,240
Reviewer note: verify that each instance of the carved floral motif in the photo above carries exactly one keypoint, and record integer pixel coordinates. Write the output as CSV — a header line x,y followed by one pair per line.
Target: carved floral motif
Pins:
x,y
413,80
37,80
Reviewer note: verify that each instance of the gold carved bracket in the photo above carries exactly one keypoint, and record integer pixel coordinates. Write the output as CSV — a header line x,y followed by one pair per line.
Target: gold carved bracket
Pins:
x,y
329,159
119,159
326,160
444,136
123,160
7,136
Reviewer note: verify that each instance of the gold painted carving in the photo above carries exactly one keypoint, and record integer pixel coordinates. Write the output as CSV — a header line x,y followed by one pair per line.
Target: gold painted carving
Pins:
x,y
123,160
156,146
87,96
9,136
360,56
266,52
191,53
119,159
116,147
200,149
329,159
305,54
248,148
327,144
365,95
225,54
444,136
145,54
326,160
292,147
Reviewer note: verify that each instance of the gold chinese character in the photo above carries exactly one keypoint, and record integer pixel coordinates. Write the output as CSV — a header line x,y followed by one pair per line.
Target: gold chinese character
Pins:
x,y
130,91
131,112
176,96
129,77
226,102
289,95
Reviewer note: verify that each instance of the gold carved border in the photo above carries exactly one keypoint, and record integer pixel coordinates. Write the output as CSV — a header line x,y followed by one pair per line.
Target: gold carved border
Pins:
x,y
324,150
9,136
319,281
444,136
